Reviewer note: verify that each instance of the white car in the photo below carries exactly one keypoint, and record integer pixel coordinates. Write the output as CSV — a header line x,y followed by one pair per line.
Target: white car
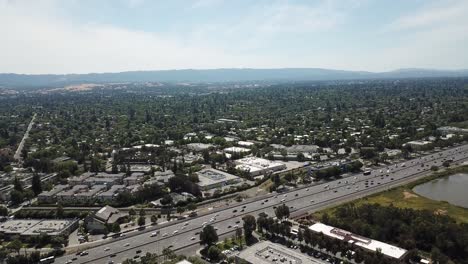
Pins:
x,y
175,231
164,235
106,249
154,234
192,238
126,245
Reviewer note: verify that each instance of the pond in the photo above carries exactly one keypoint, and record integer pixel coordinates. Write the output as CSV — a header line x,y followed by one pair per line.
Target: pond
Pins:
x,y
453,189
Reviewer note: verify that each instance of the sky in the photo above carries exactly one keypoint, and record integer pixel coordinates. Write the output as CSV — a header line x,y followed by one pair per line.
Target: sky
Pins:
x,y
82,36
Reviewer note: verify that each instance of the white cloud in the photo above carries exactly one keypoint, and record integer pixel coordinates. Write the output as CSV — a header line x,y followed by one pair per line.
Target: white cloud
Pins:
x,y
50,44
432,16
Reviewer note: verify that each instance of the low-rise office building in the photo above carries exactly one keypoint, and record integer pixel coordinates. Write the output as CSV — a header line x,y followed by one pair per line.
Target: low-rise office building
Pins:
x,y
34,227
363,242
419,145
258,166
212,179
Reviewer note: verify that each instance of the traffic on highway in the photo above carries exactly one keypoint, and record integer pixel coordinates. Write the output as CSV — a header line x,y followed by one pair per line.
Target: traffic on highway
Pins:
x,y
184,233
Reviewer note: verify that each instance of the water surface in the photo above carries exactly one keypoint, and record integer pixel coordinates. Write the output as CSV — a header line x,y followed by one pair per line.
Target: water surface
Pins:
x,y
453,189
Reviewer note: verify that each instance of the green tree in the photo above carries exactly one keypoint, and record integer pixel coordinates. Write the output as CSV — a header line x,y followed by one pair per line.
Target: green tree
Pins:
x,y
282,212
214,253
192,206
16,197
3,211
142,212
36,184
180,209
15,245
208,236
141,221
154,219
249,225
17,185
59,212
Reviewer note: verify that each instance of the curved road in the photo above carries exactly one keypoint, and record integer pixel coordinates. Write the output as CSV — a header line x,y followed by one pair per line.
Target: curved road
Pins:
x,y
184,233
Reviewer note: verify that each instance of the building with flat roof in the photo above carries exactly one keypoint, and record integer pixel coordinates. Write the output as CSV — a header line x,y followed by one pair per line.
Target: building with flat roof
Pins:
x,y
363,242
199,146
239,150
452,130
419,144
35,227
246,144
266,252
212,178
258,166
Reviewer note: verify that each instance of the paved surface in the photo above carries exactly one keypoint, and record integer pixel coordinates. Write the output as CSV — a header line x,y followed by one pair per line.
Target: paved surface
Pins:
x,y
183,234
17,155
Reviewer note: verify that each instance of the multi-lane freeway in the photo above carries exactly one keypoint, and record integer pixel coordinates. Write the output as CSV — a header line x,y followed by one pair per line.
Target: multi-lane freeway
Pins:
x,y
185,233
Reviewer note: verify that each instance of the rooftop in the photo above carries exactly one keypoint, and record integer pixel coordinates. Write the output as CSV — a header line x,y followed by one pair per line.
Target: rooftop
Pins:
x,y
213,176
35,226
366,243
267,252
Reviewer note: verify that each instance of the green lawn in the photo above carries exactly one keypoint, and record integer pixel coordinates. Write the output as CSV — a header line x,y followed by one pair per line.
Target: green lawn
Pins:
x,y
404,197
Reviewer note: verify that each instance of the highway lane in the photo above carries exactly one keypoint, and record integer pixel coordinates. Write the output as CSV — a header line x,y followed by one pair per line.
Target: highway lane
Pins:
x,y
181,233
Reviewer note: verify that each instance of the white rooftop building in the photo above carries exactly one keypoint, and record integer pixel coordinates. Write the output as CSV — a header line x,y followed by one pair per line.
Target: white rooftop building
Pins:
x,y
363,242
257,166
236,150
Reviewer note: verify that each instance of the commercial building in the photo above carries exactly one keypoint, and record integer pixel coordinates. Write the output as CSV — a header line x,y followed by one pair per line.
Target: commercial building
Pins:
x,y
363,242
246,144
107,215
258,166
238,150
419,145
212,179
34,227
452,130
199,146
266,252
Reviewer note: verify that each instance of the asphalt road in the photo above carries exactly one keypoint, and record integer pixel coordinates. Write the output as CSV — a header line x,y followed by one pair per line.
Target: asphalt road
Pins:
x,y
184,233
17,155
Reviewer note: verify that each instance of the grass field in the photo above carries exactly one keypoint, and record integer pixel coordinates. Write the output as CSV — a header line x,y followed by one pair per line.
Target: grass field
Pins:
x,y
404,197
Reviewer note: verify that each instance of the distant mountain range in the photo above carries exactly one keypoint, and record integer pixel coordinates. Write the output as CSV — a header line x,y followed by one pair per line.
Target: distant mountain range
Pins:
x,y
10,80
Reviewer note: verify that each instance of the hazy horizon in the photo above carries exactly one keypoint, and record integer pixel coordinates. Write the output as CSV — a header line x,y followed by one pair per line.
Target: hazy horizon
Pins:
x,y
64,37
